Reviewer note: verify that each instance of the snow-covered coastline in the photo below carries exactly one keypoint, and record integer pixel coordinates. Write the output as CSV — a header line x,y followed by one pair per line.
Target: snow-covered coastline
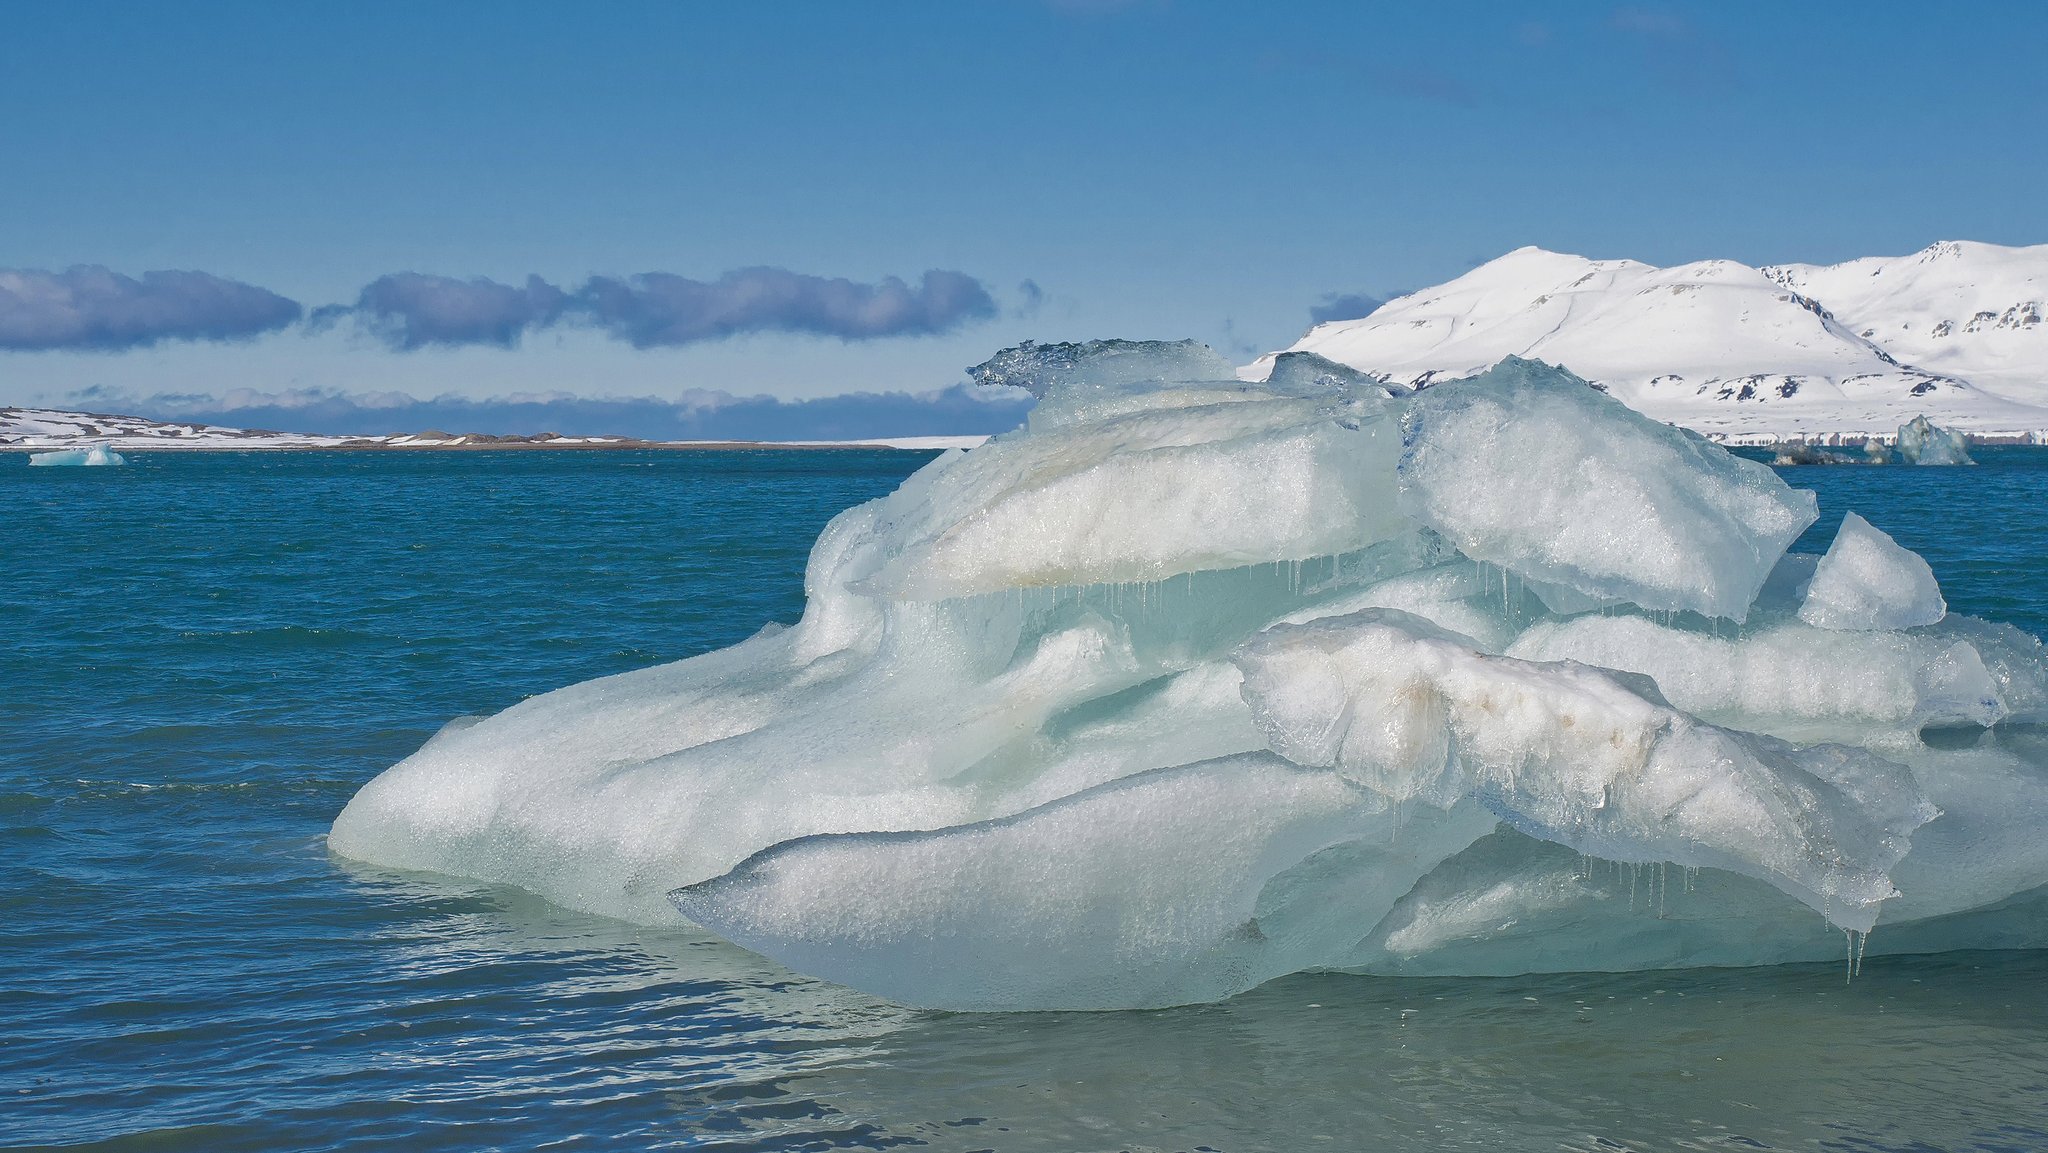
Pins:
x,y
45,429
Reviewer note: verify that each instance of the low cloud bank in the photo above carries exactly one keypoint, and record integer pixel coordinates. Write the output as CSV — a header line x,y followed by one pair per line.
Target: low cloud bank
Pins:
x,y
696,415
89,307
411,310
659,309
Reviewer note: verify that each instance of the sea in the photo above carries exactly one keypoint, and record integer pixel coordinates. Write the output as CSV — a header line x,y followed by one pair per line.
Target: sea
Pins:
x,y
207,653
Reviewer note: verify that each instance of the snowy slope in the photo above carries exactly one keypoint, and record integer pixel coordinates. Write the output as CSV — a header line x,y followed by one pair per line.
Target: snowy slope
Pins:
x,y
1977,311
1728,349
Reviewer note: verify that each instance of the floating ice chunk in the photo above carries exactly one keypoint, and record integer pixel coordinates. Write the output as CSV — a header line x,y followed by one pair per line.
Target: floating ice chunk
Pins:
x,y
1581,756
1921,441
99,455
1147,891
1022,750
1527,467
1868,581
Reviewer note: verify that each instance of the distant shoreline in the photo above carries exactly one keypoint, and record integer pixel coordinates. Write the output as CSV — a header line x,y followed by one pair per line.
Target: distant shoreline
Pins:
x,y
903,444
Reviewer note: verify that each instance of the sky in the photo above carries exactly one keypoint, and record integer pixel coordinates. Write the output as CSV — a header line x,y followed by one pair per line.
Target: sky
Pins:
x,y
363,216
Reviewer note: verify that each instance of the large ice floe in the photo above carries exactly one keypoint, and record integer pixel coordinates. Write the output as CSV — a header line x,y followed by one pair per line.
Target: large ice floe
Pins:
x,y
1190,683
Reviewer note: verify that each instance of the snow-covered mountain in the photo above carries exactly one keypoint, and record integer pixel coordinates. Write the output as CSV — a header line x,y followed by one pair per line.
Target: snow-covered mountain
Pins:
x,y
1954,332
1968,310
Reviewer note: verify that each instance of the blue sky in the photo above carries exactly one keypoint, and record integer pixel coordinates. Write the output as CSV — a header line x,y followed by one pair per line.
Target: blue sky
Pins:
x,y
675,200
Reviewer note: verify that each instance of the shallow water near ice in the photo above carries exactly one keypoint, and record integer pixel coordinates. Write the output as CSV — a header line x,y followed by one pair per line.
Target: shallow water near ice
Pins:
x,y
208,654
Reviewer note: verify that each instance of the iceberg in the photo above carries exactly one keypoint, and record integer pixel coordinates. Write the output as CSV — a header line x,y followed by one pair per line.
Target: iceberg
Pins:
x,y
1192,682
1921,441
98,454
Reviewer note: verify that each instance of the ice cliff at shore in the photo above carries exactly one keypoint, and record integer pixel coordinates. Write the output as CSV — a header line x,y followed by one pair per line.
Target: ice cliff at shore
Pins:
x,y
1190,683
1955,332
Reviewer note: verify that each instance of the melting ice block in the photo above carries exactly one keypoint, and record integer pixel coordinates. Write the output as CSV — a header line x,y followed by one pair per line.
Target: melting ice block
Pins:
x,y
1866,581
1192,682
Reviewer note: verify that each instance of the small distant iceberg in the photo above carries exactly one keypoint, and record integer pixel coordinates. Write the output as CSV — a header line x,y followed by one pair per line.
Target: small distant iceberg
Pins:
x,y
1923,442
98,454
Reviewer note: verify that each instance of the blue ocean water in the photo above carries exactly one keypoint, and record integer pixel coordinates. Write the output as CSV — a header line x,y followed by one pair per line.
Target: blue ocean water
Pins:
x,y
206,654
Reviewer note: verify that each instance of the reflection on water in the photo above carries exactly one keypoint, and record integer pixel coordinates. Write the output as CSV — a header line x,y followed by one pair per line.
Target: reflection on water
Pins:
x,y
1949,1053
474,1017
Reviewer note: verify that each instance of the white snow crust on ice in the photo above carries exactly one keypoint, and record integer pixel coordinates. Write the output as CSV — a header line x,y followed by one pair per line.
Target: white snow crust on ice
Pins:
x,y
1190,683
1955,332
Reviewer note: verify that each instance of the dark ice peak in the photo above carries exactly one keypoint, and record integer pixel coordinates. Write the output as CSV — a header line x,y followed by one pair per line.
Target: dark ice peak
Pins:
x,y
1036,367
